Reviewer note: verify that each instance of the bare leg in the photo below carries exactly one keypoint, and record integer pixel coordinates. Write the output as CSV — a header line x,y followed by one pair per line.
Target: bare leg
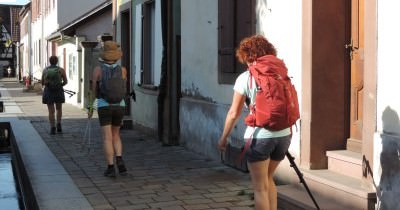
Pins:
x,y
59,112
259,179
108,144
51,109
116,139
272,192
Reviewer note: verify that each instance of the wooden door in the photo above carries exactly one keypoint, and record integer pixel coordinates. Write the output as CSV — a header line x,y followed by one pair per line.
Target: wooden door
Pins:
x,y
356,53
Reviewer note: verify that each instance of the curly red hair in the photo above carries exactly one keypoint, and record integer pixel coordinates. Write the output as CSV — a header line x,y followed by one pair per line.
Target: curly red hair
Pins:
x,y
253,47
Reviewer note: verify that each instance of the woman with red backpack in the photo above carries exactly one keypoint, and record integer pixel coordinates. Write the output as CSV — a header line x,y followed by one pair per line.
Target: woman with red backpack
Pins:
x,y
265,147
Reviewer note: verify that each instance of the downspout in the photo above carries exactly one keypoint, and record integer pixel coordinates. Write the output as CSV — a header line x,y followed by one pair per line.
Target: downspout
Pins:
x,y
42,58
114,18
30,53
163,78
167,101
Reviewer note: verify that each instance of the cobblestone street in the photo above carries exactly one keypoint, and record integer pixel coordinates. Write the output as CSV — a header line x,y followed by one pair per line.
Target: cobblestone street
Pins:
x,y
160,177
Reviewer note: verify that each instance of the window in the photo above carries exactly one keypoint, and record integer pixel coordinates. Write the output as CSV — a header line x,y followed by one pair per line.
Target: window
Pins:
x,y
71,66
236,20
39,52
148,43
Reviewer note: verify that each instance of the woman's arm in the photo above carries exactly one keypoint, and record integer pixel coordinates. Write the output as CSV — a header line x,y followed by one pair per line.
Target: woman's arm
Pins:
x,y
95,78
93,88
124,72
231,118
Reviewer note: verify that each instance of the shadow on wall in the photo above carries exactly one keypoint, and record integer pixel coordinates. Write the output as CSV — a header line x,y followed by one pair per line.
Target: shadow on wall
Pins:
x,y
390,161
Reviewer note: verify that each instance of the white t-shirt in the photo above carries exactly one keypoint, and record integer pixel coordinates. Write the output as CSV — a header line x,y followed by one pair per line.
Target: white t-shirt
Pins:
x,y
242,86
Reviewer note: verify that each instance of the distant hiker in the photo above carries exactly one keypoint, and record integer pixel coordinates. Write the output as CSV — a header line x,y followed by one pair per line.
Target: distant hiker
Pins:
x,y
53,80
265,147
109,87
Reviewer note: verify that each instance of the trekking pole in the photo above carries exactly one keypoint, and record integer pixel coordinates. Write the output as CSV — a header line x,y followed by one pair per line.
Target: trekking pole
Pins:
x,y
87,136
70,92
300,175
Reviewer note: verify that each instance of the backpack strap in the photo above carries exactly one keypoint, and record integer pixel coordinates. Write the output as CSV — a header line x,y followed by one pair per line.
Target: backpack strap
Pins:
x,y
251,80
246,146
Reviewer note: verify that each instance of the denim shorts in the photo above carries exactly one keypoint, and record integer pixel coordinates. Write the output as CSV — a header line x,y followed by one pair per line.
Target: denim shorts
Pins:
x,y
263,149
111,115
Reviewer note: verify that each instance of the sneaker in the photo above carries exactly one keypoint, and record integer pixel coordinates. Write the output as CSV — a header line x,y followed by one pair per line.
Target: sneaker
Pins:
x,y
110,171
121,167
59,129
53,131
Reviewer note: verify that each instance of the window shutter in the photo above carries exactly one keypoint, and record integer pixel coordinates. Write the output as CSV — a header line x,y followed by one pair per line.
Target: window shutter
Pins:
x,y
245,16
226,51
236,21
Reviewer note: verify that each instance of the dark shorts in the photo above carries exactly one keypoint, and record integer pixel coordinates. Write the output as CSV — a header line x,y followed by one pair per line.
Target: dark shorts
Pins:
x,y
111,115
53,96
263,149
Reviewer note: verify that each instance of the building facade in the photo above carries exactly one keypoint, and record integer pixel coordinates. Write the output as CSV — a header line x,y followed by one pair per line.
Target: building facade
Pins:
x,y
181,64
57,31
182,69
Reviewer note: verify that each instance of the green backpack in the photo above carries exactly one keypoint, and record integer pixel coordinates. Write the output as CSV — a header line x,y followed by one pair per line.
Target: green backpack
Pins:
x,y
53,78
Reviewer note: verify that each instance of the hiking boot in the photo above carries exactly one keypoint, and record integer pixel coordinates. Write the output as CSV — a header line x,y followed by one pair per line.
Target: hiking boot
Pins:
x,y
53,131
59,129
121,167
110,171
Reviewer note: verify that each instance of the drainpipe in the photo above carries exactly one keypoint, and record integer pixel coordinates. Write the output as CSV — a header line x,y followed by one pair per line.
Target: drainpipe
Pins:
x,y
162,87
42,37
114,18
168,129
171,113
17,69
29,57
167,101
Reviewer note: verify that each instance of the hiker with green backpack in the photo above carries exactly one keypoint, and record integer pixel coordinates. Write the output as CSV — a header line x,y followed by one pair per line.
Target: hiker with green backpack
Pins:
x,y
109,88
53,80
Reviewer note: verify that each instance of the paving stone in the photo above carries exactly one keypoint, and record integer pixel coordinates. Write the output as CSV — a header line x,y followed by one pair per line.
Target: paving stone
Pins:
x,y
166,204
196,207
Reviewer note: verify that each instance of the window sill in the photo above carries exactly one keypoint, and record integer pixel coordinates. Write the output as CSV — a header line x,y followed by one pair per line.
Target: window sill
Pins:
x,y
148,87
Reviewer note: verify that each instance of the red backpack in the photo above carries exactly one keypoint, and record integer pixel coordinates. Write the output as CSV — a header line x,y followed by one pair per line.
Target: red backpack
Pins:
x,y
276,105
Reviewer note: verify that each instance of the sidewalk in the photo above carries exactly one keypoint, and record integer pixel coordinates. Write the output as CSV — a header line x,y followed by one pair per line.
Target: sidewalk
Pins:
x,y
158,177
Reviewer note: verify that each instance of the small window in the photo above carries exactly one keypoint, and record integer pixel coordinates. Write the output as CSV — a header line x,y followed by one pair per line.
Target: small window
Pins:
x,y
236,20
71,66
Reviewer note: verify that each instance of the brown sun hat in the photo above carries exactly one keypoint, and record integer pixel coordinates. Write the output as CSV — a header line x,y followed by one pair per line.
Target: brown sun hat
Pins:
x,y
111,51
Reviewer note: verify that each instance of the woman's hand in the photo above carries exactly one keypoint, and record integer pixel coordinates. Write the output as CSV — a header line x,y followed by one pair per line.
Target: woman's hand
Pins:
x,y
90,114
222,144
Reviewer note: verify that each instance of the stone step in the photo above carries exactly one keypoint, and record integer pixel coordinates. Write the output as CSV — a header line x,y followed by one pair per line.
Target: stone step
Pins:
x,y
345,162
346,190
331,190
295,197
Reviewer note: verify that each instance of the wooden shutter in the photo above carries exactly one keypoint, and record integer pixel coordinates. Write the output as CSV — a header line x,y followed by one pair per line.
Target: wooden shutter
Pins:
x,y
226,35
236,21
245,19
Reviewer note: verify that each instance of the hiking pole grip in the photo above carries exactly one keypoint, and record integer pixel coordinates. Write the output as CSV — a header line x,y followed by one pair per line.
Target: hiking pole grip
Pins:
x,y
300,175
69,92
294,166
